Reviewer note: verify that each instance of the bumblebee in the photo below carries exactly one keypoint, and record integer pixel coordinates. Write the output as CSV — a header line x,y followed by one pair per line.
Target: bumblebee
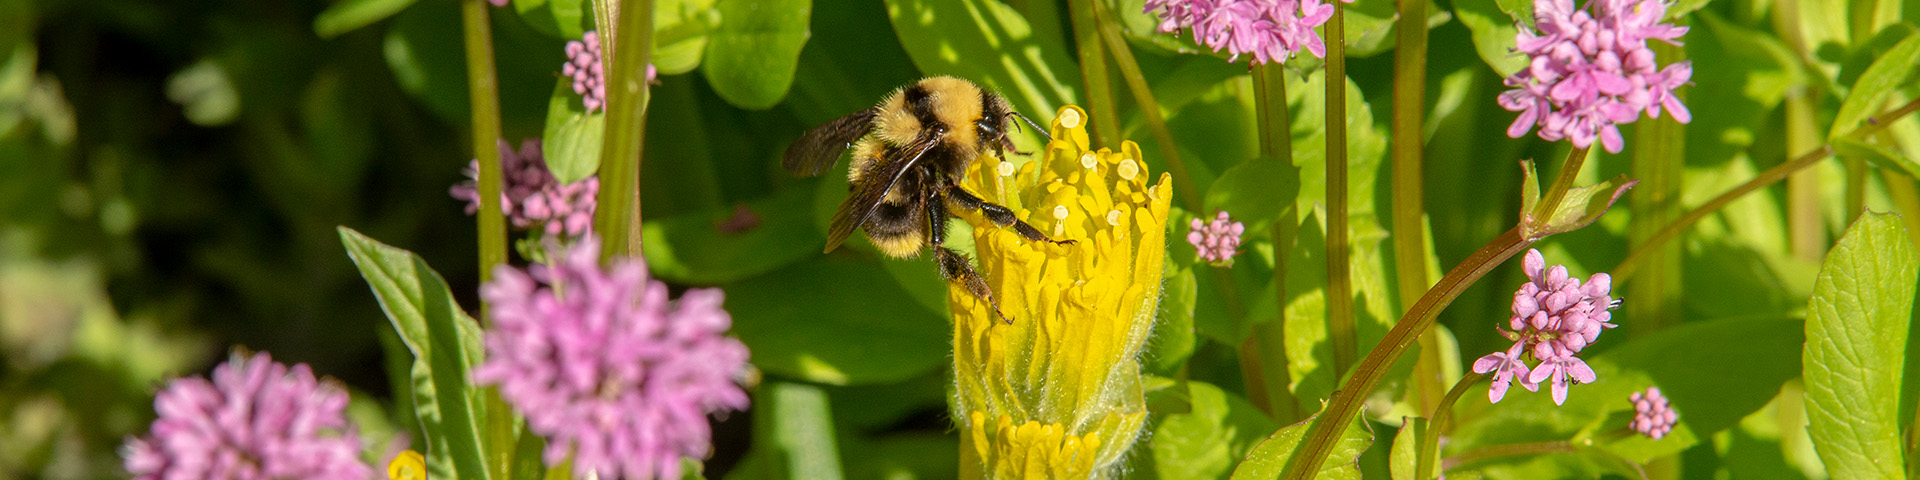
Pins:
x,y
910,153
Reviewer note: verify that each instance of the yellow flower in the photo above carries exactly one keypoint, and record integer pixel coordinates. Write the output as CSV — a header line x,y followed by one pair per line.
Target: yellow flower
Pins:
x,y
408,465
1056,394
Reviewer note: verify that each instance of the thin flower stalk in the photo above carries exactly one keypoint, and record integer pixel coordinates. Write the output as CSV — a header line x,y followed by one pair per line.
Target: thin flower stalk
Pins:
x,y
1059,389
1340,319
483,95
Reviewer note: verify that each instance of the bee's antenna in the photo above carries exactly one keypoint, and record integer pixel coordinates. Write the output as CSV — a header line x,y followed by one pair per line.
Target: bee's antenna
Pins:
x,y
1036,126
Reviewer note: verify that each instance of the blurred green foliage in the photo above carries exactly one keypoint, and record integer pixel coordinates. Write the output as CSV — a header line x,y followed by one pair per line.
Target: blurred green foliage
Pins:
x,y
172,173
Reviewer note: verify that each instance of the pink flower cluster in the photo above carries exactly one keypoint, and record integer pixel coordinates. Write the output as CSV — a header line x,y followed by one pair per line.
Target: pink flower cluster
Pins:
x,y
584,66
1587,72
1218,241
255,420
1651,414
530,196
606,367
1554,317
1271,30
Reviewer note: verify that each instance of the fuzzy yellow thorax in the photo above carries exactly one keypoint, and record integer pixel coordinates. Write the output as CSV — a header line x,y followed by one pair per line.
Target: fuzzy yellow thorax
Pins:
x,y
1057,393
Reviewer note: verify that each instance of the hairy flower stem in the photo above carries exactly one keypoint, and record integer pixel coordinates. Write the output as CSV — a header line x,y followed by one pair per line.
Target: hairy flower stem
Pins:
x,y
1409,211
483,93
1105,124
617,219
1270,338
1440,420
1340,321
1142,95
1497,451
1772,175
1348,398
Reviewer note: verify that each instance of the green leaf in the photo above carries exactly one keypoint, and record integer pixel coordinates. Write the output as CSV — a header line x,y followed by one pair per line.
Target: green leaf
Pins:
x,y
564,19
529,464
349,15
793,435
1493,31
1207,441
681,29
1405,457
1173,335
1856,335
445,343
1270,457
572,138
1255,191
1887,74
836,320
703,247
1581,205
1879,156
751,56
988,42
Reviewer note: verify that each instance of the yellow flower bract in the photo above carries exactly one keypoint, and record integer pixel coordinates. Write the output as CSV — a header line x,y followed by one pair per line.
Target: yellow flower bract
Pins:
x,y
408,465
1061,384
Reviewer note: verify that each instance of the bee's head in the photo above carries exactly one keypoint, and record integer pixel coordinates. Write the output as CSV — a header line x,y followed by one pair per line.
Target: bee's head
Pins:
x,y
997,117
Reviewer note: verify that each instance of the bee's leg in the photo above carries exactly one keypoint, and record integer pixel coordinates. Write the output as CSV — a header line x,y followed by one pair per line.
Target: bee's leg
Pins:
x,y
953,265
999,215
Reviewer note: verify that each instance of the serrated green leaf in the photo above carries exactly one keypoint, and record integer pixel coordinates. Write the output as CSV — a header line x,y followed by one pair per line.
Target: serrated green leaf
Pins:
x,y
732,243
1401,462
1269,458
445,343
838,321
1888,73
573,136
349,15
1856,335
1209,439
751,56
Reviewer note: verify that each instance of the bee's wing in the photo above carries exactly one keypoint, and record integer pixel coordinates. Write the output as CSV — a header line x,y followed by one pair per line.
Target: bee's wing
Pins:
x,y
817,149
866,199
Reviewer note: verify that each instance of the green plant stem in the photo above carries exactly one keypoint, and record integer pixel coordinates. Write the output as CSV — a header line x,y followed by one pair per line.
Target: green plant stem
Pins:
x,y
1137,83
1856,187
617,218
1659,153
483,94
1806,234
1409,210
1772,175
1409,107
1569,172
1270,337
1340,320
1497,451
1346,402
1906,197
1105,127
1442,415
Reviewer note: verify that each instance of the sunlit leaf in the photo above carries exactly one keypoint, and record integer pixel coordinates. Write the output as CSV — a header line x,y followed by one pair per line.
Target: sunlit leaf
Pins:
x,y
572,136
751,56
1856,333
1209,440
1269,458
986,41
1892,70
445,343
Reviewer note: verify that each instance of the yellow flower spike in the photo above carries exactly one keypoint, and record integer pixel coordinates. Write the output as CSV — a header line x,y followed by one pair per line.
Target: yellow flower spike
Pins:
x,y
1057,393
408,465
